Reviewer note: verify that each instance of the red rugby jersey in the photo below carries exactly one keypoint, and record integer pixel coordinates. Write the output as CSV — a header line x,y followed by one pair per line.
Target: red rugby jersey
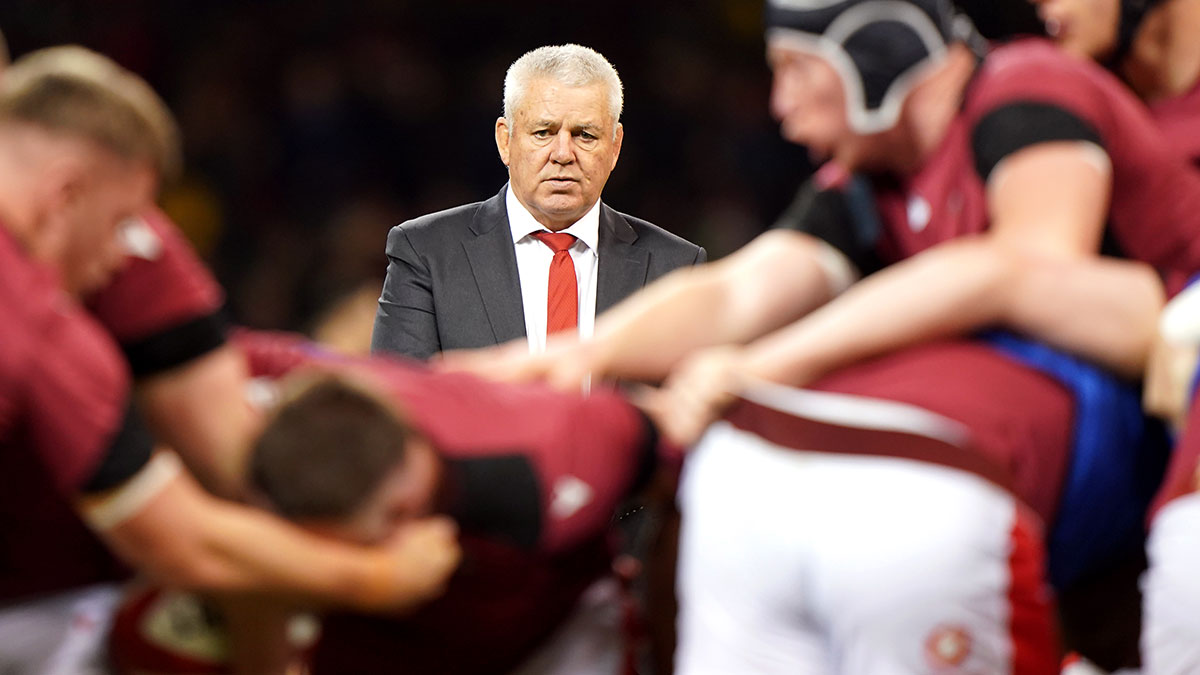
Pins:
x,y
1154,215
64,393
1179,119
533,478
164,306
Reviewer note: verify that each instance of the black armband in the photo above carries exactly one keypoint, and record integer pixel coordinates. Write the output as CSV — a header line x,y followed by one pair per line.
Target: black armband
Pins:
x,y
647,455
498,496
130,450
1014,126
177,345
843,217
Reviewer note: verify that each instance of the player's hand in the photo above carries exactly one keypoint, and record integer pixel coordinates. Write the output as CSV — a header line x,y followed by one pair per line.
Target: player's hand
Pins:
x,y
423,555
1169,371
697,393
1173,359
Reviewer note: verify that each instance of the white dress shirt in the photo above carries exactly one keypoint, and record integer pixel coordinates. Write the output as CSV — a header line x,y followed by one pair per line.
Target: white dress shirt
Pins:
x,y
533,267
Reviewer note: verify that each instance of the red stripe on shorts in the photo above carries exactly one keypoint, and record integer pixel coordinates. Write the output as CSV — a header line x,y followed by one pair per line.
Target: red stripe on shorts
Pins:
x,y
1031,622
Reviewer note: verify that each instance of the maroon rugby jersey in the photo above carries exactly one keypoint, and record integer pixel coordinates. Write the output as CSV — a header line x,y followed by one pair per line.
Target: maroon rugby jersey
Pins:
x,y
532,478
1179,120
64,392
1027,92
163,307
1020,421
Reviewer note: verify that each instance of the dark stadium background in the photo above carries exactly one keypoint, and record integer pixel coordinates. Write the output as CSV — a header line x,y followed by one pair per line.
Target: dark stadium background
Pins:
x,y
313,127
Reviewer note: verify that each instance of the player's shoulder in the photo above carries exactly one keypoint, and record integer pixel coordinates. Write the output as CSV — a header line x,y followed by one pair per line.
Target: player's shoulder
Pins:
x,y
1034,68
42,323
1033,71
29,291
1028,57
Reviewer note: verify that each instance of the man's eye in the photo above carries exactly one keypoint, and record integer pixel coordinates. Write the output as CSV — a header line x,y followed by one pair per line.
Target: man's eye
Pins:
x,y
542,133
587,136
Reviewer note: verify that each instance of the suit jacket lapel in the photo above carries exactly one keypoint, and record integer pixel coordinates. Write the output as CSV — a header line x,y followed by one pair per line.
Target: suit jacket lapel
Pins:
x,y
494,265
623,265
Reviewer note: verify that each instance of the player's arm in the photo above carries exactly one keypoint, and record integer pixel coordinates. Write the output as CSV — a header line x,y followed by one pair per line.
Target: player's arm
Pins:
x,y
605,452
81,424
779,276
1035,270
200,409
164,524
406,320
165,310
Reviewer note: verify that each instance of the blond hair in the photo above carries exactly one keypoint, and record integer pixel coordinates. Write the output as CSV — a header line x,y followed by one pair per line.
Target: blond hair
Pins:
x,y
77,92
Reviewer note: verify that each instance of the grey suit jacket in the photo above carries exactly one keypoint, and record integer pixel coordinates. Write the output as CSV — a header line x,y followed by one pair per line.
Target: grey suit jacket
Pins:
x,y
452,276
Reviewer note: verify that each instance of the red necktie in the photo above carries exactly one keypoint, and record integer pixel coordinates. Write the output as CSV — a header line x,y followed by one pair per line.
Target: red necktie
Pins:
x,y
562,295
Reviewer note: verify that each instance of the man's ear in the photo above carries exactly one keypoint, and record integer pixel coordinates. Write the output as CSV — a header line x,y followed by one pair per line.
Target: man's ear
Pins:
x,y
503,137
618,137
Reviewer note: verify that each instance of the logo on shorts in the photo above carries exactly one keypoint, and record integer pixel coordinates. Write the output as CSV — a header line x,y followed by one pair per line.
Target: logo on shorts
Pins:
x,y
947,645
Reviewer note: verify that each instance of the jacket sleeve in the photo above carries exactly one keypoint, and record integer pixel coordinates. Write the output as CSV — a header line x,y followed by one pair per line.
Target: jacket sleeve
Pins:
x,y
406,321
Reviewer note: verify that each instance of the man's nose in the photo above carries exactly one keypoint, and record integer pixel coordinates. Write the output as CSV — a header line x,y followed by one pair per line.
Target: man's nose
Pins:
x,y
562,151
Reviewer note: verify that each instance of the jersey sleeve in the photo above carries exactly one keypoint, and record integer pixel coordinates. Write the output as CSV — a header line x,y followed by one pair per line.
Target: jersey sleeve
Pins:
x,y
1029,93
77,408
840,212
164,307
607,451
1012,126
273,354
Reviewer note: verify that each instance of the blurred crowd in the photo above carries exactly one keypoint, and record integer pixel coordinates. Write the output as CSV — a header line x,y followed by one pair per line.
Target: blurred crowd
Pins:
x,y
311,128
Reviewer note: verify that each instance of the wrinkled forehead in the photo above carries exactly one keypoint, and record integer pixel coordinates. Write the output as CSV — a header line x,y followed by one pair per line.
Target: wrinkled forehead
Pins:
x,y
550,99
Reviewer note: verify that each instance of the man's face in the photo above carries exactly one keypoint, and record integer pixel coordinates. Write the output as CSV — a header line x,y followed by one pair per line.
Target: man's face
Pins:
x,y
407,492
808,100
1085,28
559,149
90,219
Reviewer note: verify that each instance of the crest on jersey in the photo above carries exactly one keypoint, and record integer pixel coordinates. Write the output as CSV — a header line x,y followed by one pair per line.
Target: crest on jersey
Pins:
x,y
139,240
570,495
948,645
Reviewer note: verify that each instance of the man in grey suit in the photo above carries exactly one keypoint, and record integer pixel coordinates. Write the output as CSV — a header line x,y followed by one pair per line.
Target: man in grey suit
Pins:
x,y
485,273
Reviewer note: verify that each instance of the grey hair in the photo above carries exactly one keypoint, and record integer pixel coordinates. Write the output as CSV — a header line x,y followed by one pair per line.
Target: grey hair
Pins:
x,y
572,65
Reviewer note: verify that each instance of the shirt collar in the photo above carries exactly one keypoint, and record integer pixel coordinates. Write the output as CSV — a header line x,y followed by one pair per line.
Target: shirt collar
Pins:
x,y
522,222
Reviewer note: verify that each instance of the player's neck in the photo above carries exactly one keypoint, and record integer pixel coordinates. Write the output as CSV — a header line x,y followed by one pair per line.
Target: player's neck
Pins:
x,y
933,106
1165,59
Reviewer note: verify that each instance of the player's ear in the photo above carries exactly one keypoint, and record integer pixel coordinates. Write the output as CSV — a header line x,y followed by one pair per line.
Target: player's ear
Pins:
x,y
64,181
57,194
